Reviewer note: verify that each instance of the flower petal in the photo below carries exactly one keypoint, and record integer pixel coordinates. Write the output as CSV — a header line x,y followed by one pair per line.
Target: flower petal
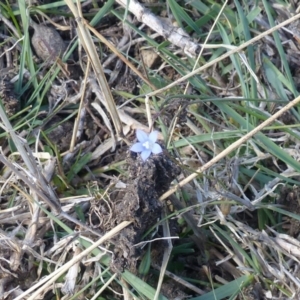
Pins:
x,y
156,149
141,135
153,136
137,147
145,154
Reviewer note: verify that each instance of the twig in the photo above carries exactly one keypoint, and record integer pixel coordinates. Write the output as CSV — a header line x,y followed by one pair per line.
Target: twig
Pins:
x,y
175,35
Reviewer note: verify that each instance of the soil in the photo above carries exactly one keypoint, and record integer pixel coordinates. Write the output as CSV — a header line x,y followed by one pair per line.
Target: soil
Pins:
x,y
290,198
10,101
146,180
138,203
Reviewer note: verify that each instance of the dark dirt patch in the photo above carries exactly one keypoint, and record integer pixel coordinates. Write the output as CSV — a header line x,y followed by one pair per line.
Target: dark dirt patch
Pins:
x,y
9,98
290,198
62,135
138,203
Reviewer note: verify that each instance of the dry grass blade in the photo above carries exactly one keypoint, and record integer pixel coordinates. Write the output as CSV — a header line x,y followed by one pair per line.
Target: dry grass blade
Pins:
x,y
56,274
45,195
104,287
117,53
48,198
41,186
166,257
232,147
76,124
222,81
220,58
87,42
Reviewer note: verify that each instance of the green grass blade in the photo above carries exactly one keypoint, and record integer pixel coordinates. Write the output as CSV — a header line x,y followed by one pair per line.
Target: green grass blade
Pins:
x,y
140,286
280,49
250,49
227,290
180,15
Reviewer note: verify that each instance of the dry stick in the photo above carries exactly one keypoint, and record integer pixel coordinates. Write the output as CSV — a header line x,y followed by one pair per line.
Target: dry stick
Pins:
x,y
232,147
176,35
237,49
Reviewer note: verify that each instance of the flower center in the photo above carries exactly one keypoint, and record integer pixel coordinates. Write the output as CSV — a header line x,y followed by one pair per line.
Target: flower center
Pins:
x,y
148,145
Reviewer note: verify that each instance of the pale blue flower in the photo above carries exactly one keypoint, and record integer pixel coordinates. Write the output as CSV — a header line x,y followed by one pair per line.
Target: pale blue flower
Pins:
x,y
146,144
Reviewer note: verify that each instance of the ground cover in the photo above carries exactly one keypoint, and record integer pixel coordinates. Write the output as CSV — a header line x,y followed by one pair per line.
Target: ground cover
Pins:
x,y
149,150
